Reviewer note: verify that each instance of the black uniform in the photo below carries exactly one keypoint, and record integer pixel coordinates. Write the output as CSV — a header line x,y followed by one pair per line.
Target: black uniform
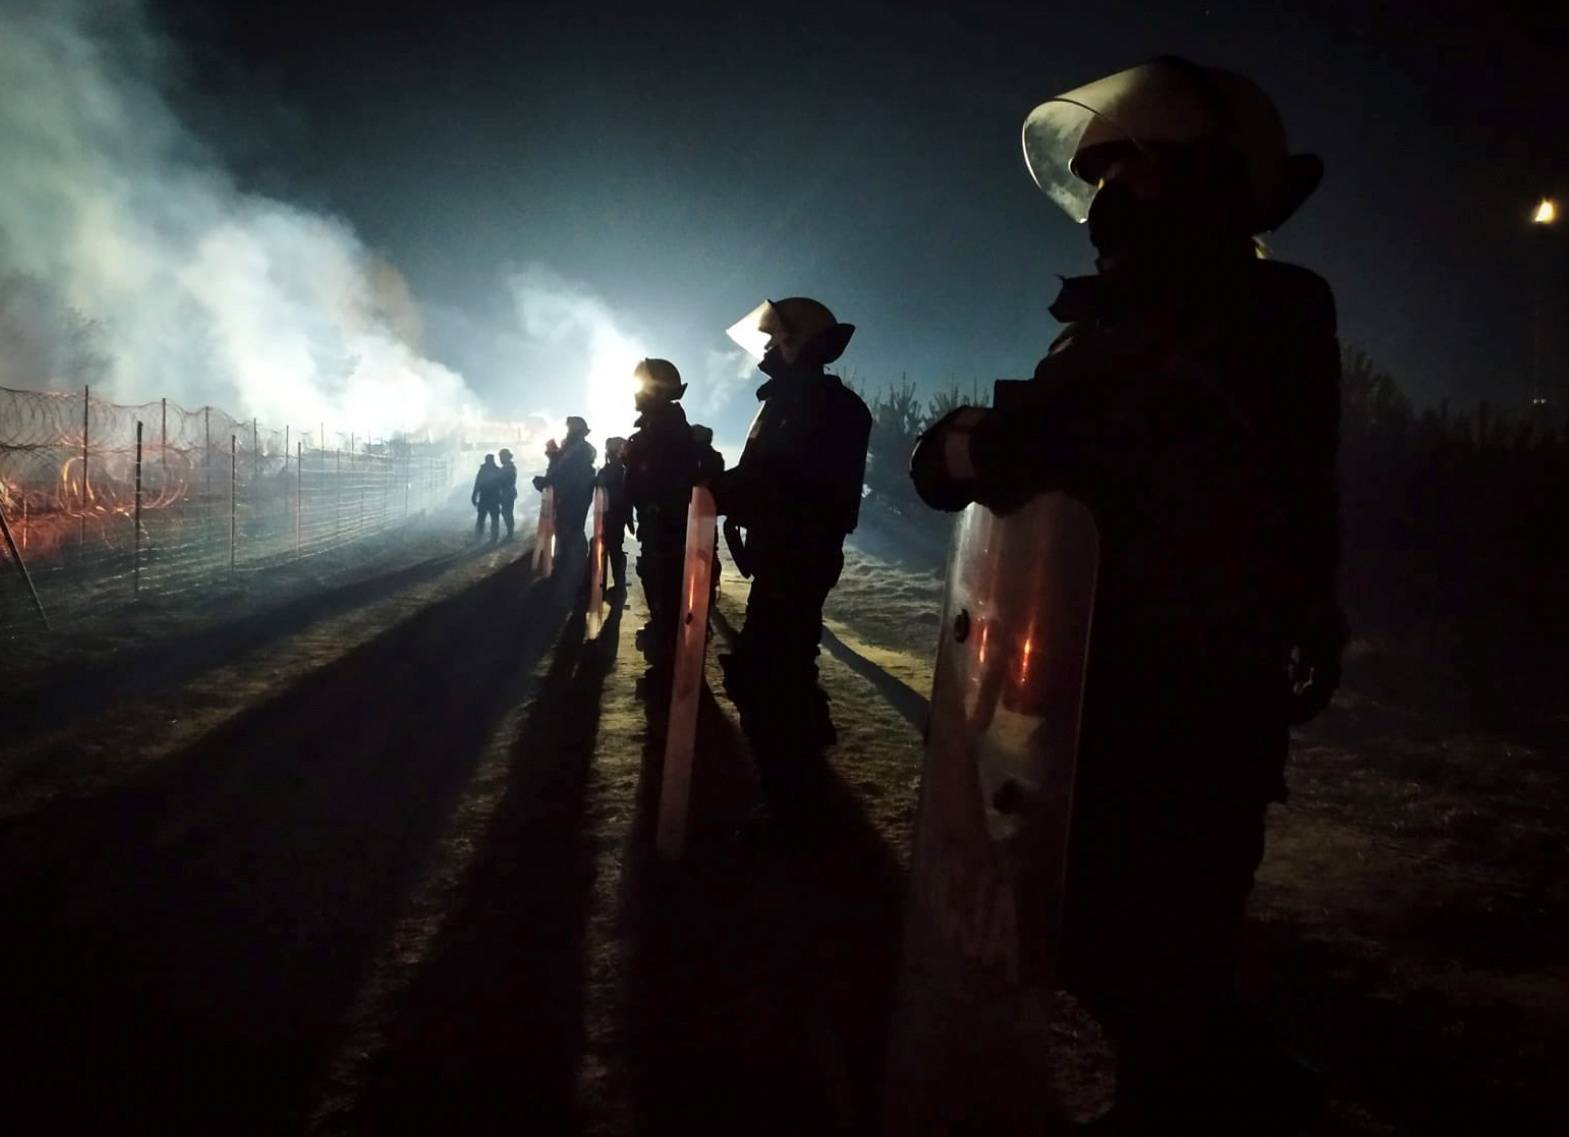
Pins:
x,y
661,467
571,475
612,477
797,493
509,493
1198,415
710,468
486,498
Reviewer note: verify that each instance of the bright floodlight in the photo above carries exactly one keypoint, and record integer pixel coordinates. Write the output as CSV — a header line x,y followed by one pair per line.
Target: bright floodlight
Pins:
x,y
611,387
1546,212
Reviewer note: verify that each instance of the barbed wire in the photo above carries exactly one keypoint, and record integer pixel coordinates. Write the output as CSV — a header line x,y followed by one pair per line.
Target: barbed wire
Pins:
x,y
110,501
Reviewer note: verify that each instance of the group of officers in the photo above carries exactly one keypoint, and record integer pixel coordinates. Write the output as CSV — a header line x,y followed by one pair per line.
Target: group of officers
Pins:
x,y
788,504
1192,402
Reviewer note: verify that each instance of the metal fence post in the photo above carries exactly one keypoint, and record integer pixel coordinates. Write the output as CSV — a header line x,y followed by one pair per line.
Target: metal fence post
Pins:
x,y
86,402
234,482
21,567
136,540
299,496
337,494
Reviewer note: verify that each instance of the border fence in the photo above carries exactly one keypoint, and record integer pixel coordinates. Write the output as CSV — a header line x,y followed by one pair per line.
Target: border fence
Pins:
x,y
105,502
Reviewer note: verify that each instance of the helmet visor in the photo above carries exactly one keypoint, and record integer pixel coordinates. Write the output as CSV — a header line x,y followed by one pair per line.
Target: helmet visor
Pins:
x,y
1145,105
753,330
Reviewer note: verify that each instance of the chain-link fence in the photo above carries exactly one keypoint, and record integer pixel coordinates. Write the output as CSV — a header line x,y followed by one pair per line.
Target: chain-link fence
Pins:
x,y
104,502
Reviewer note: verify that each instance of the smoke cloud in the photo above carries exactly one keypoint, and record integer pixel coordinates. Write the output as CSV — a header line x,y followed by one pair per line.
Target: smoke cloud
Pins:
x,y
575,347
128,256
728,372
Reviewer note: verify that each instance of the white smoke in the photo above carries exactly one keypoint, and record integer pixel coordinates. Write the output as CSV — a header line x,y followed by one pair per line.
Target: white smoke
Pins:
x,y
577,349
728,371
202,293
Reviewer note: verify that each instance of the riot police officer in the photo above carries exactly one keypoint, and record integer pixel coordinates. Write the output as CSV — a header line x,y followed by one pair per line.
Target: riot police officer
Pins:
x,y
486,497
571,475
796,492
612,478
710,463
1192,402
509,490
661,468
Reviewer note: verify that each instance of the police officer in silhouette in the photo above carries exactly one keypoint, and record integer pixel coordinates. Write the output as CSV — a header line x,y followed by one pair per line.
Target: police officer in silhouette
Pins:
x,y
486,497
571,475
796,493
509,490
661,468
612,477
1192,402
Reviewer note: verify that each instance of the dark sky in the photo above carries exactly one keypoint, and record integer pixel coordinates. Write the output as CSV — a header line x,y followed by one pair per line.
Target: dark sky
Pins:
x,y
685,162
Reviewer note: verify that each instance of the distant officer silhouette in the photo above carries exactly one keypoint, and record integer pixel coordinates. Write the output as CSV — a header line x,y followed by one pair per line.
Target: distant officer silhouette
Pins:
x,y
661,461
509,490
710,467
571,475
486,497
612,478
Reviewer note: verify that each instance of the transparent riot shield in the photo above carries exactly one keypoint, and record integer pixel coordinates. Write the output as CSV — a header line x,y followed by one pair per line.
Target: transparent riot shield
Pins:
x,y
596,568
545,534
691,647
983,913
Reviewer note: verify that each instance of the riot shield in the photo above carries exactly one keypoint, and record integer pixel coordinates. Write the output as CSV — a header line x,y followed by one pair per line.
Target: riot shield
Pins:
x,y
545,534
596,568
983,913
691,647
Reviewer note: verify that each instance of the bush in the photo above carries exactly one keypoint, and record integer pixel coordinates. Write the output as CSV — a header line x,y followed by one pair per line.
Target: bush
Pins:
x,y
898,418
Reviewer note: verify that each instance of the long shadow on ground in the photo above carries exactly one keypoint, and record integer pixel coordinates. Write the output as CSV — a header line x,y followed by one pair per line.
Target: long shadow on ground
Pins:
x,y
61,691
761,967
490,1037
181,951
912,706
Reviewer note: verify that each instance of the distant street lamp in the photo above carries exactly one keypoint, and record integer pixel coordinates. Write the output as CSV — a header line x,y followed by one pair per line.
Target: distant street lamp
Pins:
x,y
1546,214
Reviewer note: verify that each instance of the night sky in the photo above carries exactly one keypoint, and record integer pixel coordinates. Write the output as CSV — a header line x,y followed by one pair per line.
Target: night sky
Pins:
x,y
685,162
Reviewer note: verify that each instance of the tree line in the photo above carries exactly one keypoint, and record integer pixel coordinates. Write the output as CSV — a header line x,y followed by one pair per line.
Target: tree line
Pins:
x,y
1449,516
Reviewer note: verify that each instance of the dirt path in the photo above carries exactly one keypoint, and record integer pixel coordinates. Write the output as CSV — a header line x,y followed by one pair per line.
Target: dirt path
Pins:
x,y
402,881
380,861
197,903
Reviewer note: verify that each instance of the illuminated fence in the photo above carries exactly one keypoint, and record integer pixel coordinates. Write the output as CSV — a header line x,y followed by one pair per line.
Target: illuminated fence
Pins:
x,y
106,502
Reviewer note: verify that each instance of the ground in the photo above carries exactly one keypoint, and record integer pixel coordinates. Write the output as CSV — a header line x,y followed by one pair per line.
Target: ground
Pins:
x,y
370,851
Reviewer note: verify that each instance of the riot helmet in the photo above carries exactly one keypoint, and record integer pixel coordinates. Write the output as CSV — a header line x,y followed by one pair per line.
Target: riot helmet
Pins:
x,y
1183,116
658,382
796,333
